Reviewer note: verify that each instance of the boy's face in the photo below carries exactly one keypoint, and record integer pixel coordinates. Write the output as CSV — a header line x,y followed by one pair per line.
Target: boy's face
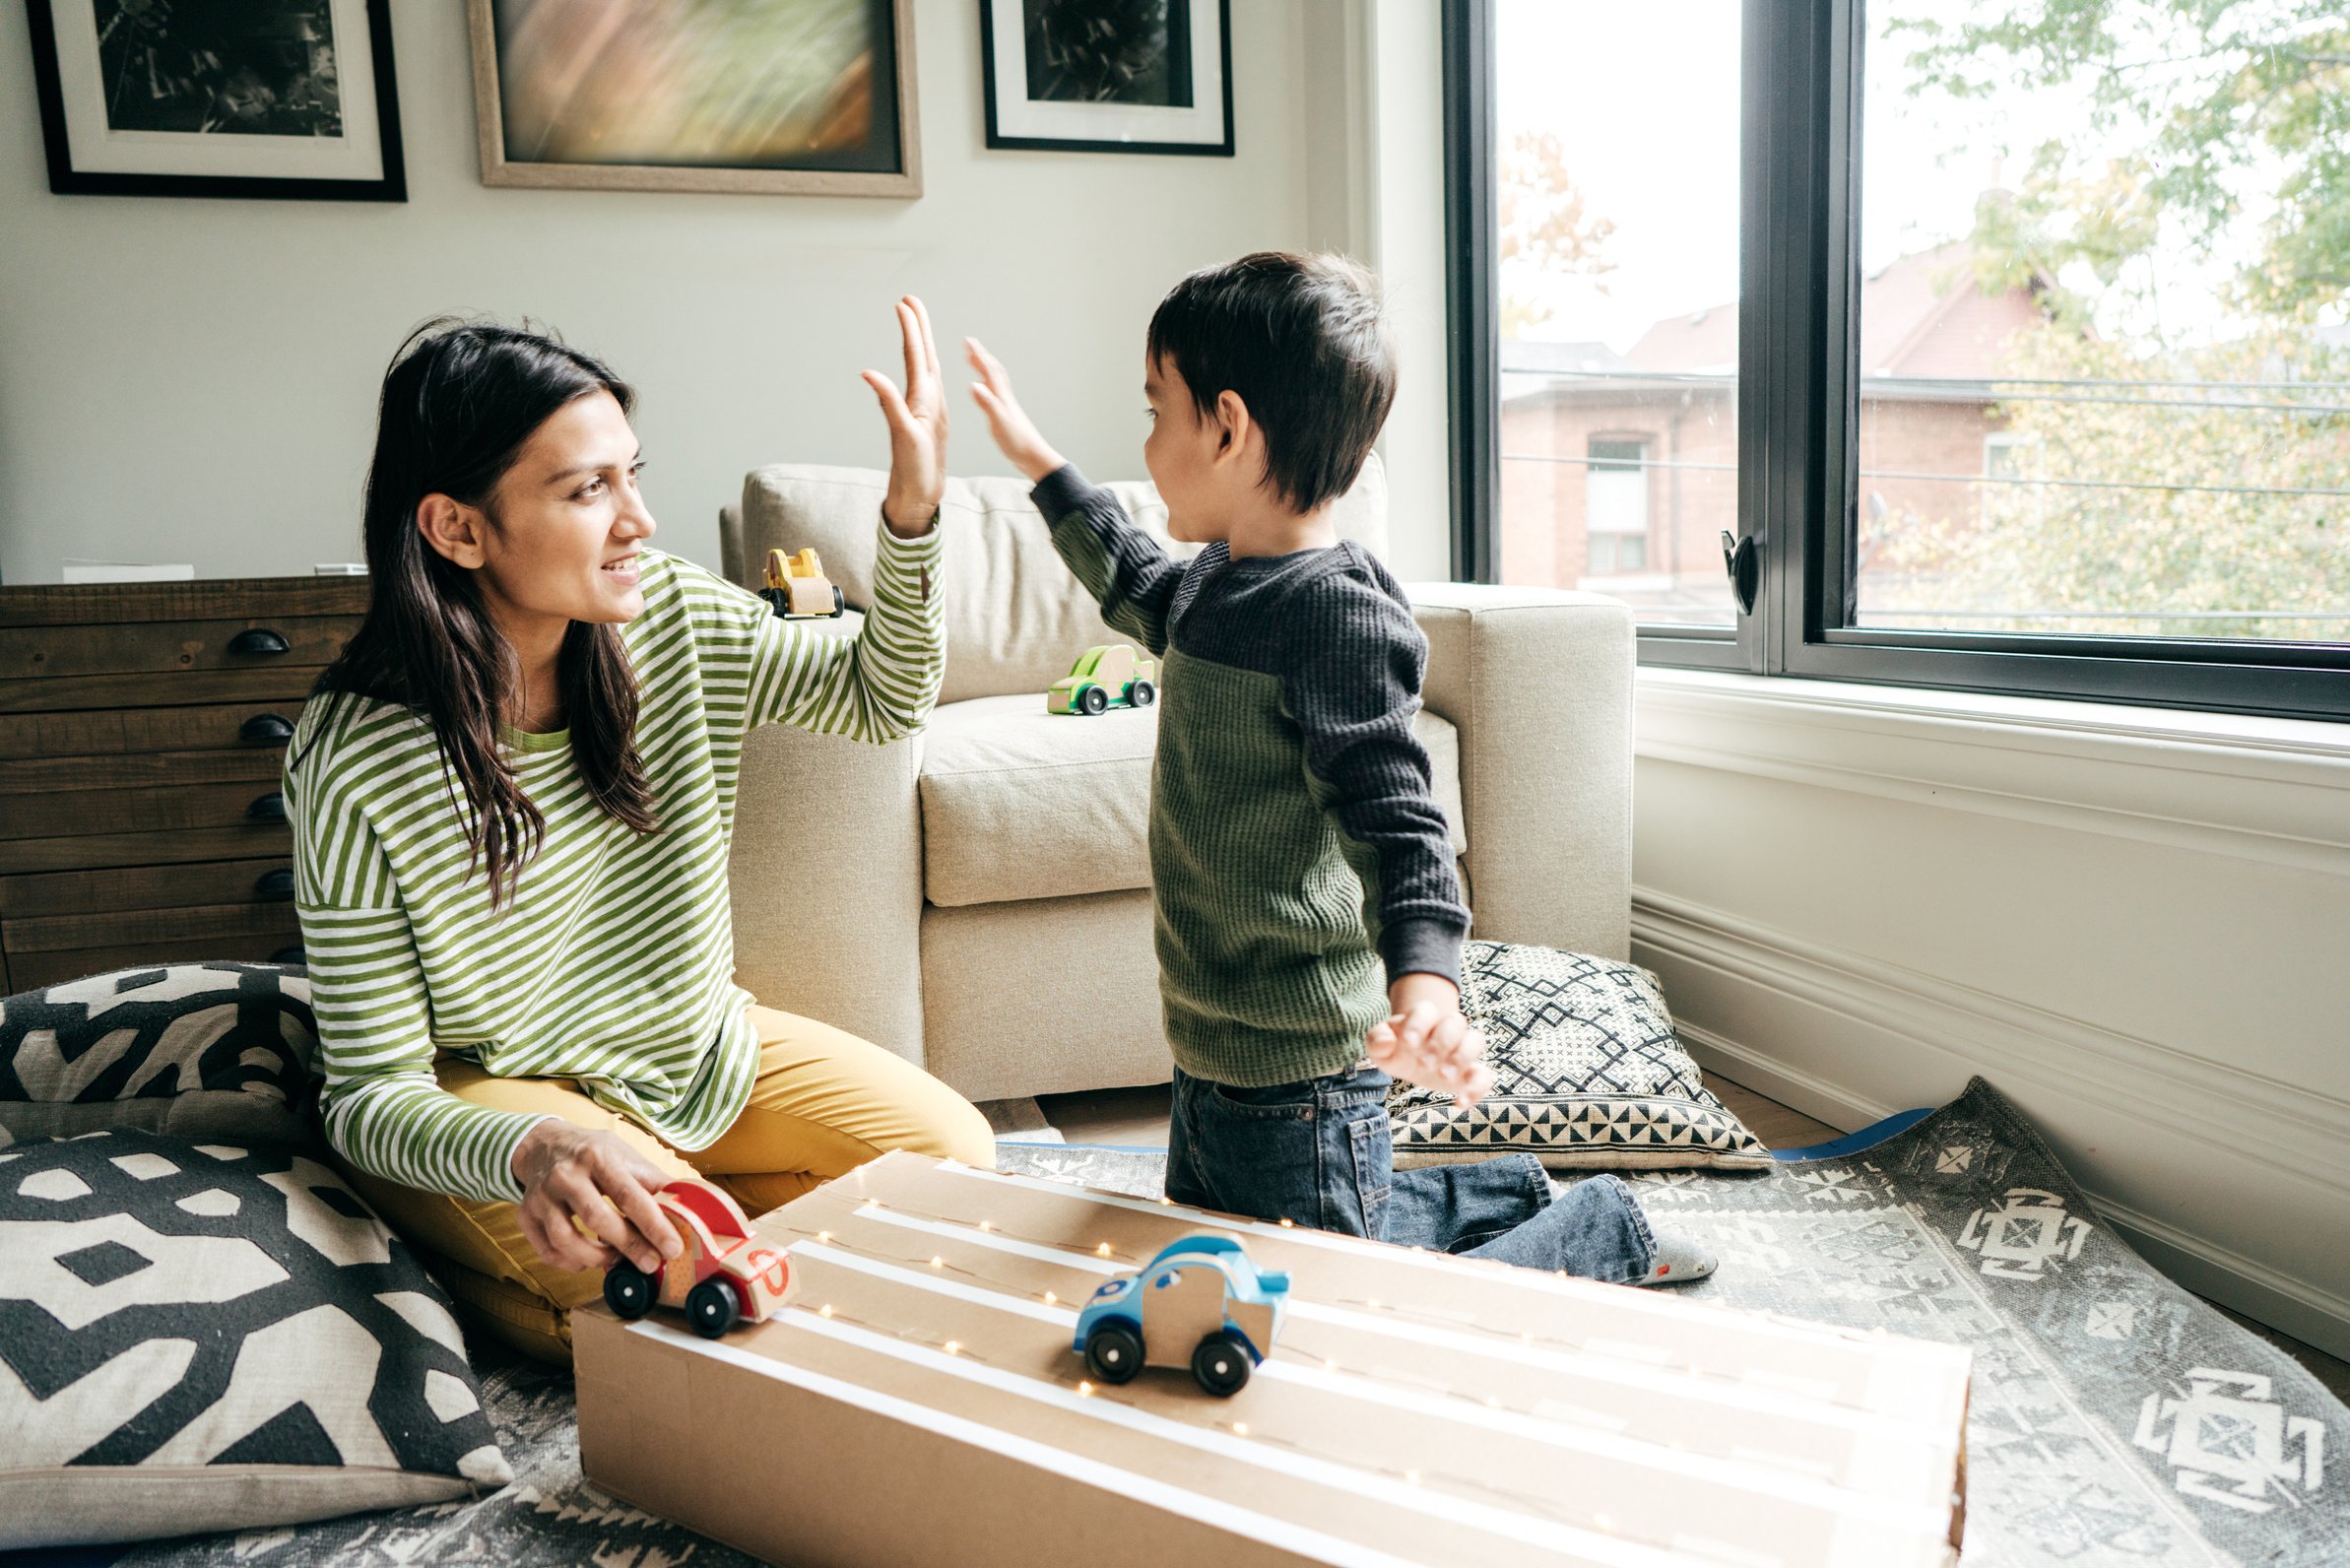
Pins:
x,y
1182,453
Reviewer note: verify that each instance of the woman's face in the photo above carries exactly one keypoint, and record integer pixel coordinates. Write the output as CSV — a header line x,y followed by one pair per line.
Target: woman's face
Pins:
x,y
566,523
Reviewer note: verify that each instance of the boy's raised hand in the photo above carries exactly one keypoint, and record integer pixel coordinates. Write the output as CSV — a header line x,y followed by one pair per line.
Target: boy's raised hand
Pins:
x,y
1425,1040
917,427
1015,432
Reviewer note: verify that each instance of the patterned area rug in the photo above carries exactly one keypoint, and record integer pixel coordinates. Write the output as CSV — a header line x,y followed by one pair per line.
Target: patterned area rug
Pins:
x,y
2116,1418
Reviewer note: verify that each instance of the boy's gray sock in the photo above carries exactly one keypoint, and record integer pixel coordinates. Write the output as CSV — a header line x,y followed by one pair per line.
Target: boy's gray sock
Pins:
x,y
1681,1257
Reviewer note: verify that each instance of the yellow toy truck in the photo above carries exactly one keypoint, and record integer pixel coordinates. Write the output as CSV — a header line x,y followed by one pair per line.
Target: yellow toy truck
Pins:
x,y
797,588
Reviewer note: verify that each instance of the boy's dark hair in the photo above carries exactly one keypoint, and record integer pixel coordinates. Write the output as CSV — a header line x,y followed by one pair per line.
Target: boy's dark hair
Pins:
x,y
1304,343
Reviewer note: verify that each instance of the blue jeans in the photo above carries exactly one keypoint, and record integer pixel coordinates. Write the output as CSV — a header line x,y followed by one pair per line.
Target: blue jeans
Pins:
x,y
1318,1154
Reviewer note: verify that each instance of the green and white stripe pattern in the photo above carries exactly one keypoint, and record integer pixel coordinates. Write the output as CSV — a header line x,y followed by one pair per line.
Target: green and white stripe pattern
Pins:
x,y
612,963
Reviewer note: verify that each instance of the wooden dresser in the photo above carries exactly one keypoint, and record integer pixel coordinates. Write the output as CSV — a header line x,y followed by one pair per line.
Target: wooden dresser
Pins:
x,y
142,730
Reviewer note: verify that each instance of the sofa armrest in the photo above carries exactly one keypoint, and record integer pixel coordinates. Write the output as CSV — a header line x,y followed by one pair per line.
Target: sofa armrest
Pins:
x,y
826,873
1539,682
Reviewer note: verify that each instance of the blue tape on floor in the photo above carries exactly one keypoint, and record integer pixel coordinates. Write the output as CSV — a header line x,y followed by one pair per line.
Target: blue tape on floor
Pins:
x,y
1853,1143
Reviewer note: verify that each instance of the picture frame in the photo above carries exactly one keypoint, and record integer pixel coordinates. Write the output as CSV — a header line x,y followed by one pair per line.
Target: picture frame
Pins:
x,y
296,101
841,73
1117,76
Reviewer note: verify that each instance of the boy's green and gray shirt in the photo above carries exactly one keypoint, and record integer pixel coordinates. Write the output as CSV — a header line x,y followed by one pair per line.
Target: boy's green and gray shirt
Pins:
x,y
1295,839
612,962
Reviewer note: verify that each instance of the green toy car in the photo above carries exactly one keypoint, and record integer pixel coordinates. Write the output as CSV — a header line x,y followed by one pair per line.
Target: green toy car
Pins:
x,y
1102,678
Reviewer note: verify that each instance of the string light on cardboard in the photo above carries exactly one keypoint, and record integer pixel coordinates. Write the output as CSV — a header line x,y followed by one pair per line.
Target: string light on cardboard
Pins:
x,y
1084,1388
1240,1428
1103,1250
955,1348
824,1311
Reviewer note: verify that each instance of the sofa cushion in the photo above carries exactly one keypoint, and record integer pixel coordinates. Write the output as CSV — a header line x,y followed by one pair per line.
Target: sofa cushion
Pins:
x,y
213,1336
202,1050
1015,616
1587,1073
1017,802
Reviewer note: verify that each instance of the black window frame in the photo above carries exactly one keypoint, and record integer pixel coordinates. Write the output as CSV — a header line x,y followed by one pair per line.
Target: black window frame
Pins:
x,y
1798,410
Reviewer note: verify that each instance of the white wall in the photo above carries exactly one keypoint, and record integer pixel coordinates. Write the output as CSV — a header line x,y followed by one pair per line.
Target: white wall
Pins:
x,y
2132,922
194,379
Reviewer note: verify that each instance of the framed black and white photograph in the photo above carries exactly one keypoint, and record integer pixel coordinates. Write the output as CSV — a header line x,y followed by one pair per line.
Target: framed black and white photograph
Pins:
x,y
809,98
285,98
1108,76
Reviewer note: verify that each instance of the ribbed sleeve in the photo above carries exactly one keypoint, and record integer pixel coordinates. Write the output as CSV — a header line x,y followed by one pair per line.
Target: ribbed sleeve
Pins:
x,y
1129,577
1350,681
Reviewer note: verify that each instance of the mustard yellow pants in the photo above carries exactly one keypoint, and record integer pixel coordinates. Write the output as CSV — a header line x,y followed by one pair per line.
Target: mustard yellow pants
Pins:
x,y
824,1103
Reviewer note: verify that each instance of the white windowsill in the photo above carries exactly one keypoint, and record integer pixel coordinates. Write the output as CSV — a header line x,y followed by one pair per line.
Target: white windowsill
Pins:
x,y
2277,788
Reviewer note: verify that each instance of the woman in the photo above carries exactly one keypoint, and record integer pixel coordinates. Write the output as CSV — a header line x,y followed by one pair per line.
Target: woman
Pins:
x,y
512,798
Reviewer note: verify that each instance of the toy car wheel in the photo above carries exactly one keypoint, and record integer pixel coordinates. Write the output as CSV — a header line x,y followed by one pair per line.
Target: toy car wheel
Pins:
x,y
839,601
1114,1352
628,1290
713,1308
1142,694
1222,1364
1093,700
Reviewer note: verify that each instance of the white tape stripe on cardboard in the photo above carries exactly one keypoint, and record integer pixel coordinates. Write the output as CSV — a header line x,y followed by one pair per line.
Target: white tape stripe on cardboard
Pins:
x,y
1929,1523
1759,1398
1078,1467
1580,1545
1889,1387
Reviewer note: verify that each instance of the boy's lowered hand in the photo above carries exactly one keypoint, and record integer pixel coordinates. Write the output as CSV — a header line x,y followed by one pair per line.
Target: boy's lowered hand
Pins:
x,y
1015,432
1428,1041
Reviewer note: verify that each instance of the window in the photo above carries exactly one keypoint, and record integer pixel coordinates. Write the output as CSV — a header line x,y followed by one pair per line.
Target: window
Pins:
x,y
1615,506
1616,261
2042,311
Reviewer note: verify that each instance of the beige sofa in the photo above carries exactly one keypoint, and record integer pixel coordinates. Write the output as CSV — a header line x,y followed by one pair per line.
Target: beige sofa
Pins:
x,y
976,898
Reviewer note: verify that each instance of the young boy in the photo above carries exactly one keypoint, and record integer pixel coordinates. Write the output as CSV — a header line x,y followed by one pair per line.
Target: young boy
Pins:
x,y
1309,922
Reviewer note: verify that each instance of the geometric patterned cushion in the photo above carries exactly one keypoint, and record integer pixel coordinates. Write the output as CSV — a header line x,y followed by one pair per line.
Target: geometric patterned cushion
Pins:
x,y
216,1337
1587,1072
200,1050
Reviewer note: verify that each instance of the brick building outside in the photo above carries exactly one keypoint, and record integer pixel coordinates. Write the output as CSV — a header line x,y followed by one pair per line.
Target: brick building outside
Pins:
x,y
1619,472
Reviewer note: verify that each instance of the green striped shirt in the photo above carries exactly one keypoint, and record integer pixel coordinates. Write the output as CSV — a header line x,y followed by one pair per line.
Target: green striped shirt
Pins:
x,y
612,963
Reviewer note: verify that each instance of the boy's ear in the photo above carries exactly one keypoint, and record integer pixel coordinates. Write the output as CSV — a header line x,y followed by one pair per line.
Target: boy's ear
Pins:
x,y
453,529
1233,421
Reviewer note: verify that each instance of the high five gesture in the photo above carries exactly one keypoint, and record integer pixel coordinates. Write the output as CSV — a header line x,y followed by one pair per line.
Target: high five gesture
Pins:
x,y
917,427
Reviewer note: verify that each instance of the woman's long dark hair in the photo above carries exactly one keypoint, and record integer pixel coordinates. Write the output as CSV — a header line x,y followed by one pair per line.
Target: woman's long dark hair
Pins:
x,y
459,402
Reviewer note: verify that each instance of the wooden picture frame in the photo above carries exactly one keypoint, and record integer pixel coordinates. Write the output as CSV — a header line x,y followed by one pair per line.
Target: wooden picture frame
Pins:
x,y
1200,127
893,106
93,150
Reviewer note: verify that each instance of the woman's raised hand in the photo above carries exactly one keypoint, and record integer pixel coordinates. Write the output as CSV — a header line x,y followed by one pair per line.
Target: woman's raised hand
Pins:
x,y
917,427
587,1200
1015,432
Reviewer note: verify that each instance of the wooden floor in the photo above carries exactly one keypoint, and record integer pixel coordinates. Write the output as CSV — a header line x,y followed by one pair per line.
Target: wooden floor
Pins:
x,y
1140,1116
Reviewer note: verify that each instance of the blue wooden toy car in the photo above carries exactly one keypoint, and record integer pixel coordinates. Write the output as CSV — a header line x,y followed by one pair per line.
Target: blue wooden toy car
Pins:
x,y
1200,1303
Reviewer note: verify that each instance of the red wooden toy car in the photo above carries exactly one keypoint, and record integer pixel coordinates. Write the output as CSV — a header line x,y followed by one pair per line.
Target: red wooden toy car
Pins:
x,y
721,1279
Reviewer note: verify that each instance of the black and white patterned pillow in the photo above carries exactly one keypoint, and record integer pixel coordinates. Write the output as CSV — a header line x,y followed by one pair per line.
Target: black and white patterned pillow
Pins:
x,y
201,1337
1587,1073
198,1050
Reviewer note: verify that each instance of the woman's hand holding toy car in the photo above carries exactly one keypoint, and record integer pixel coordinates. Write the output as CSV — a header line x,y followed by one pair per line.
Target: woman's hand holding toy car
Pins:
x,y
587,1200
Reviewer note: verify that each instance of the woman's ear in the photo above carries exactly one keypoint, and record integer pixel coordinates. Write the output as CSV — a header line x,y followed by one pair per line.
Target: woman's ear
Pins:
x,y
453,529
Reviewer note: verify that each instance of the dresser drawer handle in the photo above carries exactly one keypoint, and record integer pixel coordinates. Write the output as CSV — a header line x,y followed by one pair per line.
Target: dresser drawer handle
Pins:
x,y
265,729
276,883
270,808
259,641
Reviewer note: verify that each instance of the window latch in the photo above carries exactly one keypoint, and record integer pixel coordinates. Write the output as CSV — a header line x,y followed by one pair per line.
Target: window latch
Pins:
x,y
1745,567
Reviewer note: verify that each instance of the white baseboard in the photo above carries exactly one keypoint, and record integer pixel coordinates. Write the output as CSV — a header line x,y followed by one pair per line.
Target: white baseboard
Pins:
x,y
1848,1041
